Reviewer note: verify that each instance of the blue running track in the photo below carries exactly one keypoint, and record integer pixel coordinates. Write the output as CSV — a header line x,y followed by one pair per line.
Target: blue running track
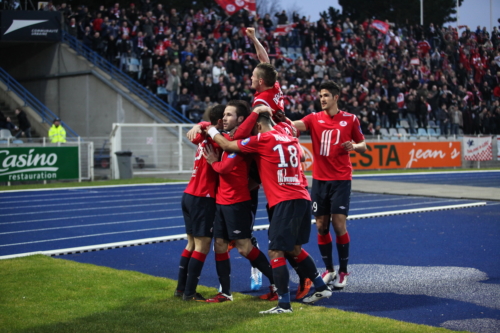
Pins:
x,y
436,268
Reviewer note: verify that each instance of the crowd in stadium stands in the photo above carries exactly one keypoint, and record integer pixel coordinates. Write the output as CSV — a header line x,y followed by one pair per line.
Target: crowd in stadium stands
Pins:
x,y
429,76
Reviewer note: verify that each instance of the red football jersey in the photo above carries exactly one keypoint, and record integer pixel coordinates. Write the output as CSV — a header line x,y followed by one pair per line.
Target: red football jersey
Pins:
x,y
331,161
272,97
278,159
233,179
203,180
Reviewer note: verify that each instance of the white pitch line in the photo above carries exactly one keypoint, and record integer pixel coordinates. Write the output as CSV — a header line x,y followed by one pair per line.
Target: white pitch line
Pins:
x,y
86,203
76,191
91,216
91,208
402,205
96,187
255,228
73,197
86,236
94,225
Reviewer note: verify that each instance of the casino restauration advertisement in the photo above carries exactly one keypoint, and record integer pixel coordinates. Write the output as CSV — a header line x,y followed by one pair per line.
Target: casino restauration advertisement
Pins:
x,y
400,155
38,163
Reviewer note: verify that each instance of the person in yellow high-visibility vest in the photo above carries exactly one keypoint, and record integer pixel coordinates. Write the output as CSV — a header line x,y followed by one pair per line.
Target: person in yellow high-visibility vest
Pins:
x,y
57,133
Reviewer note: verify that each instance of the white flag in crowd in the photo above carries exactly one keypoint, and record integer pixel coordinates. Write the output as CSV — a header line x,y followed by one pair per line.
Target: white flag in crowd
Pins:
x,y
478,149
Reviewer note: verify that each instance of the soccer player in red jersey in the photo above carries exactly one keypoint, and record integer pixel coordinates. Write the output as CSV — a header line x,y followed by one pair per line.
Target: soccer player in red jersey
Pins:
x,y
334,134
234,216
198,208
278,157
268,92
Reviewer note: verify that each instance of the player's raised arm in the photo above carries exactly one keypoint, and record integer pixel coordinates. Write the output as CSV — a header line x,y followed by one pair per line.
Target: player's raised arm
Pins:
x,y
261,51
226,145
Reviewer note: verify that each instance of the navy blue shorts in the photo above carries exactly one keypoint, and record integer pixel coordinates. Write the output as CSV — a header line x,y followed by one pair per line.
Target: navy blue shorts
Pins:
x,y
290,224
331,197
199,214
234,221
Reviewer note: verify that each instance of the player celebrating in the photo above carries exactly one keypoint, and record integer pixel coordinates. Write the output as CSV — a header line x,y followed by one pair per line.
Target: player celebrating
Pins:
x,y
198,208
332,133
278,158
268,92
234,217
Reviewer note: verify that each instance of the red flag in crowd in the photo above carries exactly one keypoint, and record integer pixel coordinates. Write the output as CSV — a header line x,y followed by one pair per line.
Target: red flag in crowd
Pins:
x,y
251,7
381,26
283,29
234,55
231,6
423,47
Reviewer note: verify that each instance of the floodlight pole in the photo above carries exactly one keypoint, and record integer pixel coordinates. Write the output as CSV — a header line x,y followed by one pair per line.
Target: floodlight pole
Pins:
x,y
422,12
491,16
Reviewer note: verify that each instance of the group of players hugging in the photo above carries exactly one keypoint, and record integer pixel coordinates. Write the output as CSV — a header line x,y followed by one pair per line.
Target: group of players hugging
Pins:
x,y
239,151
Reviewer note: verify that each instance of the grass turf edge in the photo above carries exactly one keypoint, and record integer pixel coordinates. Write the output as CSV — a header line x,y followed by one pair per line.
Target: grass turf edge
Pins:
x,y
44,294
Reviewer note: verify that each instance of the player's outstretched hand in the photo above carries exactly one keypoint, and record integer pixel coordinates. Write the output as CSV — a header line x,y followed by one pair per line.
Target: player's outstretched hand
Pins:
x,y
348,146
210,154
193,132
250,33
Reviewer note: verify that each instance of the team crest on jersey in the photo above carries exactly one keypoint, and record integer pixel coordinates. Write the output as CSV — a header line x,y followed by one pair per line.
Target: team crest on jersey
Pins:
x,y
233,155
244,142
343,123
321,121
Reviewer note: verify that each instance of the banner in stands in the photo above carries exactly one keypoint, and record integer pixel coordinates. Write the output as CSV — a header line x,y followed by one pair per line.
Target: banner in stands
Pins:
x,y
36,26
478,149
400,155
498,147
38,163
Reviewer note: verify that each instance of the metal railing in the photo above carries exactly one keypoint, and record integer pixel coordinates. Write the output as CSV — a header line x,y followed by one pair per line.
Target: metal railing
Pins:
x,y
31,101
118,75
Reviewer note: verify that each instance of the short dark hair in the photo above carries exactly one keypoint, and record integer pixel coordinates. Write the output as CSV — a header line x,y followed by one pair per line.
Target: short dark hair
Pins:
x,y
264,118
331,86
216,113
242,107
268,73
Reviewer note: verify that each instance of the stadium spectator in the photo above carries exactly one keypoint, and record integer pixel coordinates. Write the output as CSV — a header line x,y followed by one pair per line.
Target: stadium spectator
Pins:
x,y
24,124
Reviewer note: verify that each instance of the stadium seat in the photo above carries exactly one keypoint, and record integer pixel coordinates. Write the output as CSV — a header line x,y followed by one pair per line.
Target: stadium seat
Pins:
x,y
17,141
422,131
393,131
3,142
442,138
432,124
402,131
404,124
384,131
394,138
385,138
412,138
432,132
424,138
5,133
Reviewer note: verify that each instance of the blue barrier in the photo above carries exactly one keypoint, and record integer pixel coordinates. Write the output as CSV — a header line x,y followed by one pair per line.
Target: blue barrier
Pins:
x,y
116,74
31,101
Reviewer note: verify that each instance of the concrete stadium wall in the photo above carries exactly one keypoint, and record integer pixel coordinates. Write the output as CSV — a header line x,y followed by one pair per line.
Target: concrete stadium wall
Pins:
x,y
65,82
